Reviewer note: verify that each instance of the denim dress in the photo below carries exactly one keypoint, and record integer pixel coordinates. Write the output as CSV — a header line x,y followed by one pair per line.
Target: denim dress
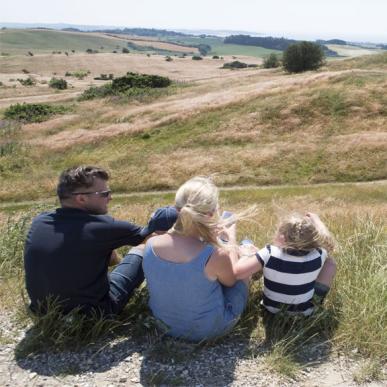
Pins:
x,y
189,304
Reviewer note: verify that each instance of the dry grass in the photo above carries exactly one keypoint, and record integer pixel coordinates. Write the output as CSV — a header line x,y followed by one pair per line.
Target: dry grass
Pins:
x,y
254,127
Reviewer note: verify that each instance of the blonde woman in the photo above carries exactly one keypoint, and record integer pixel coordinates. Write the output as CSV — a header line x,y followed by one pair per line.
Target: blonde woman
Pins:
x,y
297,269
192,287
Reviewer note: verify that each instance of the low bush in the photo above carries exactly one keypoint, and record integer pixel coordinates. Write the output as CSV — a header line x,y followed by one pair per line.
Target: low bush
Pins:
x,y
79,74
132,84
168,59
139,80
58,83
97,92
27,82
271,61
197,57
104,77
125,50
32,112
236,64
215,57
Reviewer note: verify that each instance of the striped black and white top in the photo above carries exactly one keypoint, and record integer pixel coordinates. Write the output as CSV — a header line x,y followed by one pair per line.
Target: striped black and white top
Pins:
x,y
289,278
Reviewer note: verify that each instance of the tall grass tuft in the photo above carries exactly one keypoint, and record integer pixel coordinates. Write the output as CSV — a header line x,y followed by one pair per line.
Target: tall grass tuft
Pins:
x,y
361,288
12,237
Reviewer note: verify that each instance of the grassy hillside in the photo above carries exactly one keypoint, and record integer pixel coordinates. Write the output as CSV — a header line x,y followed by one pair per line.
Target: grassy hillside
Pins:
x,y
43,41
366,62
332,130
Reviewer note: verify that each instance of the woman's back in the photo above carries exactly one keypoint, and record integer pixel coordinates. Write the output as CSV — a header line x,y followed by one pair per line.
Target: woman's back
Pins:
x,y
181,294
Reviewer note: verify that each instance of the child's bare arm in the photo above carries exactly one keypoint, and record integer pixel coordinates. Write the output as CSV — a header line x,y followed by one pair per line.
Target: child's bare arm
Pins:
x,y
247,266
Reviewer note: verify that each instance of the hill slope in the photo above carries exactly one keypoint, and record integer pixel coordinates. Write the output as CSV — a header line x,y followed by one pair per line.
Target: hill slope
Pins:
x,y
251,127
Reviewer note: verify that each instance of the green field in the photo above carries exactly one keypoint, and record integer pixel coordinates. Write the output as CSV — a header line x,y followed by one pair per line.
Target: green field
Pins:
x,y
18,41
44,41
219,48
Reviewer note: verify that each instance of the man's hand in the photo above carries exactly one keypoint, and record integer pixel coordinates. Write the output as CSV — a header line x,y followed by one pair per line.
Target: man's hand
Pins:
x,y
114,259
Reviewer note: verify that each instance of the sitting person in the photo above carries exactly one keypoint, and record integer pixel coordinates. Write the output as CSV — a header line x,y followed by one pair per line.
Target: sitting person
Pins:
x,y
68,251
296,268
189,273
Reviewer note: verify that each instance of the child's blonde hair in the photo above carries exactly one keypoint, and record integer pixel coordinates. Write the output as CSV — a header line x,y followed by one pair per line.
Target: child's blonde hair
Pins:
x,y
197,202
299,232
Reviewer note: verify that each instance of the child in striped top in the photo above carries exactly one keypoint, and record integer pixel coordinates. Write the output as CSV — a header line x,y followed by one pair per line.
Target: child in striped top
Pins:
x,y
296,268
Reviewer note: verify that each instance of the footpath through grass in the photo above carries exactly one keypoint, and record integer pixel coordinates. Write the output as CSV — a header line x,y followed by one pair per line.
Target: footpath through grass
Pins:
x,y
354,316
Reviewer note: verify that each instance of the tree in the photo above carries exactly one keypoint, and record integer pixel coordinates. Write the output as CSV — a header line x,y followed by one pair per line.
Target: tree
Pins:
x,y
303,56
271,61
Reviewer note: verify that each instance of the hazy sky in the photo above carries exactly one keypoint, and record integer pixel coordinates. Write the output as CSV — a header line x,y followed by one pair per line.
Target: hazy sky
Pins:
x,y
346,19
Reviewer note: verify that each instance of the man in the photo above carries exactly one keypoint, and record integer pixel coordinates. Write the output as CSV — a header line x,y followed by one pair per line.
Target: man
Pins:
x,y
68,251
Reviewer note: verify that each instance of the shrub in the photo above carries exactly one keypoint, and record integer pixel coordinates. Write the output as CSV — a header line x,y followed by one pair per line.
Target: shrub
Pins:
x,y
168,59
131,85
79,74
125,50
27,82
139,80
32,112
197,57
97,92
104,77
235,65
25,71
215,57
58,83
271,61
30,53
303,56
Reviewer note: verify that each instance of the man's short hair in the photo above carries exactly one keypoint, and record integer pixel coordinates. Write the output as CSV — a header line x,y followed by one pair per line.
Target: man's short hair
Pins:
x,y
74,178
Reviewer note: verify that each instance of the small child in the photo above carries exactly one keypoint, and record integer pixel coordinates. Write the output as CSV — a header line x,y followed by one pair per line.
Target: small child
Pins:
x,y
296,268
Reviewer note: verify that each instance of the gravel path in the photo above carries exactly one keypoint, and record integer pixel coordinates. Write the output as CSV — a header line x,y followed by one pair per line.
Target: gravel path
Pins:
x,y
150,361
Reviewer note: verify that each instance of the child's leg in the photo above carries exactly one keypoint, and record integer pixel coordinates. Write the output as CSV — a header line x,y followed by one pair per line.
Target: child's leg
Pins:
x,y
324,280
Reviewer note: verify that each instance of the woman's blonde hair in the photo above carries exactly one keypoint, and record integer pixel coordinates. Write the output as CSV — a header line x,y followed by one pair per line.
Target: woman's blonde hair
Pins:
x,y
197,202
301,233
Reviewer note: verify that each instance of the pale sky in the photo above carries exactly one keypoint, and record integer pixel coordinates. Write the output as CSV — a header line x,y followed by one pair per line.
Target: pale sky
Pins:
x,y
361,20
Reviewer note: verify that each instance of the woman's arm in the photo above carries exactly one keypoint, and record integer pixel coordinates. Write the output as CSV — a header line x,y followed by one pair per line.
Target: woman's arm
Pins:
x,y
221,265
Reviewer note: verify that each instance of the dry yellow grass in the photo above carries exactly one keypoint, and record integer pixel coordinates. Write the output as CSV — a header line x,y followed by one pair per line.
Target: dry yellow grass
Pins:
x,y
254,127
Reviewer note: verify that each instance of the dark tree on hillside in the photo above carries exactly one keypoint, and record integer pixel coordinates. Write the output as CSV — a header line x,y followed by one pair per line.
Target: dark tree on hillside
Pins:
x,y
303,56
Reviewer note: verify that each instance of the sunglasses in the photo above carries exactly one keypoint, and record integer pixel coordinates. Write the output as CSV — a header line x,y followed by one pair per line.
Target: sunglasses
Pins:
x,y
103,194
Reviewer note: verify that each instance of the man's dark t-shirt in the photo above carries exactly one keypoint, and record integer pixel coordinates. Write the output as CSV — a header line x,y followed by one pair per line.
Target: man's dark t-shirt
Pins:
x,y
67,253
